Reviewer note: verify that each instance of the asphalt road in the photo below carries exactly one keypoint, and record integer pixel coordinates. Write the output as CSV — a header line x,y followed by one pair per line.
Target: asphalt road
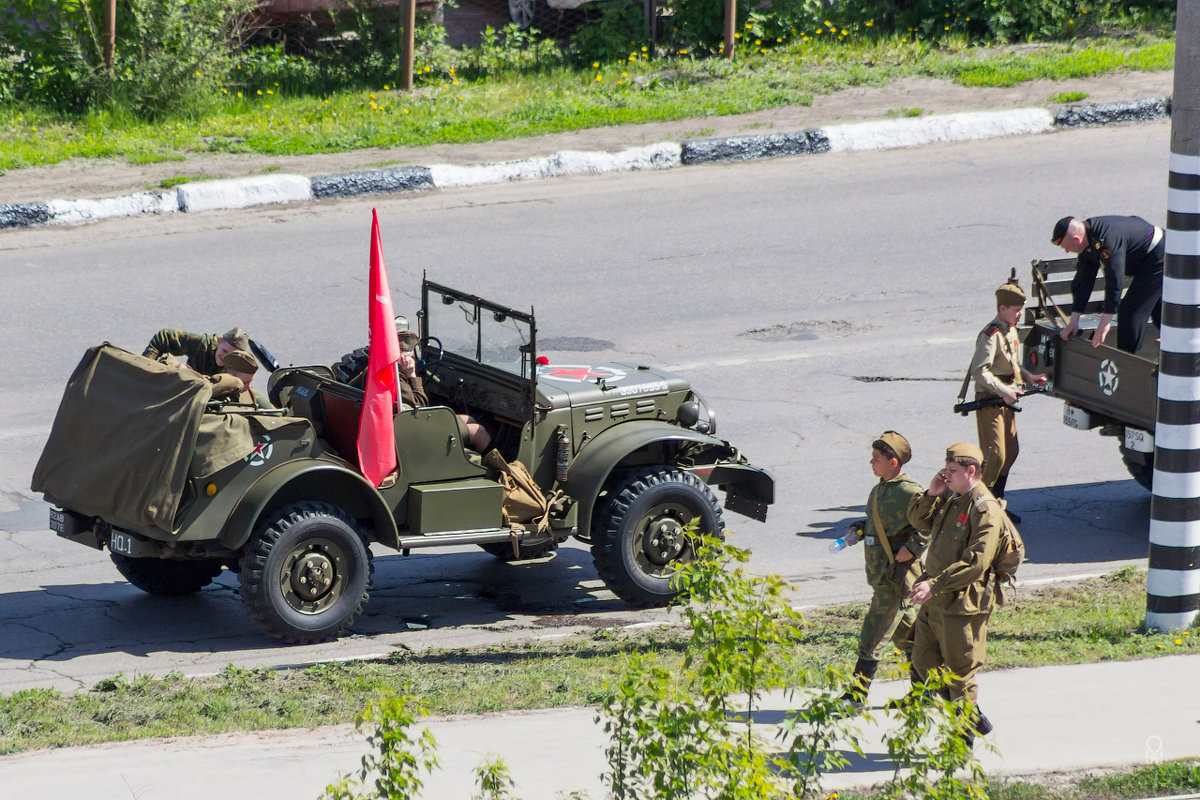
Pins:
x,y
814,302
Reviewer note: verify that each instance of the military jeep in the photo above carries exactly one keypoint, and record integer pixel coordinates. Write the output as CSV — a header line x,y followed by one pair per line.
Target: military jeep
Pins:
x,y
1101,387
142,462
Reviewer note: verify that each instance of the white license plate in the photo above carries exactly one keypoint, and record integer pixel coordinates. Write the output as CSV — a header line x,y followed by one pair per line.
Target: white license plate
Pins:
x,y
1139,440
1075,417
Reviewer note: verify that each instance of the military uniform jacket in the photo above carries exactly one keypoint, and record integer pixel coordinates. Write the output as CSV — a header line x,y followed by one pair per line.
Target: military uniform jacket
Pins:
x,y
200,348
412,391
996,364
964,536
891,498
1121,247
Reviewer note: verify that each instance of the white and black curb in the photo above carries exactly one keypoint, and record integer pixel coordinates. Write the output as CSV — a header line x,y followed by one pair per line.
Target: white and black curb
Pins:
x,y
880,135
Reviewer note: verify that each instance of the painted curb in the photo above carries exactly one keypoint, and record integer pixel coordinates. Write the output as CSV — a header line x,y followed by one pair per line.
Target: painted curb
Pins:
x,y
745,148
878,135
244,192
376,181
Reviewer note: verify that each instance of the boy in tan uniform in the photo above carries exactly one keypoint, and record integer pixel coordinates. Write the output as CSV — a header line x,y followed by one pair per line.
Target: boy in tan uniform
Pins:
x,y
957,589
995,368
892,550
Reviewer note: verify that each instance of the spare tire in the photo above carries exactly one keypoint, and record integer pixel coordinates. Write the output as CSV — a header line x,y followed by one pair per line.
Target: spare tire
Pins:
x,y
352,367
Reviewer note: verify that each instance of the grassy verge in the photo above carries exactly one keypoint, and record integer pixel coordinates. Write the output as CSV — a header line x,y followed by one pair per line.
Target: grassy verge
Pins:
x,y
1090,621
261,120
1153,780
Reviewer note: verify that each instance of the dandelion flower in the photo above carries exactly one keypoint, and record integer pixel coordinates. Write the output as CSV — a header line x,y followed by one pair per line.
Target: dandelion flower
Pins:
x,y
406,111
270,91
197,74
385,86
460,97
258,91
595,65
266,105
1179,641
844,31
869,23
749,26
758,41
224,91
240,94
599,77
643,48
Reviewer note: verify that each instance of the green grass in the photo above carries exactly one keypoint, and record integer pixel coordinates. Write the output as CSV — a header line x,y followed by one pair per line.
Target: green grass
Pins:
x,y
552,100
1094,620
1154,780
1066,97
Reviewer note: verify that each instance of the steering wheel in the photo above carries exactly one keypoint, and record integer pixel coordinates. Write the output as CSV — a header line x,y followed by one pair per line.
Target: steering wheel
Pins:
x,y
428,368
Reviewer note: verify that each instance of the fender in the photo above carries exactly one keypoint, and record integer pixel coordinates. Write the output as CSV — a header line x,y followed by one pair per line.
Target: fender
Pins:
x,y
593,464
309,479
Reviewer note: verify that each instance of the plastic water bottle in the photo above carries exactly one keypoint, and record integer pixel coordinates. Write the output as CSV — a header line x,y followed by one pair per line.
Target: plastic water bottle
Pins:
x,y
838,545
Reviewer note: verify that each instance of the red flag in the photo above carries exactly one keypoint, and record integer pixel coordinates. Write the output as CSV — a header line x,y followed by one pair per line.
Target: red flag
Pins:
x,y
376,429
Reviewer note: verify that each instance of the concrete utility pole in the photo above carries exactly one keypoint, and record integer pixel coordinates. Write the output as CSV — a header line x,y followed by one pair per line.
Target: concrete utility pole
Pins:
x,y
1173,581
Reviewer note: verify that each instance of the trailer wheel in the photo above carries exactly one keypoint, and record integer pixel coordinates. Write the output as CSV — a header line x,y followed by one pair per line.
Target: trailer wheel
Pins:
x,y
639,538
1140,467
306,573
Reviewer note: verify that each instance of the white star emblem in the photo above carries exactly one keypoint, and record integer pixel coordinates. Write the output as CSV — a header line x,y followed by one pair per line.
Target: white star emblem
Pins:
x,y
1108,378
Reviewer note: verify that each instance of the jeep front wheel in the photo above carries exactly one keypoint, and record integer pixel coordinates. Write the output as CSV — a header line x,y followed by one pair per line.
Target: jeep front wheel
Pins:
x,y
306,573
167,577
639,537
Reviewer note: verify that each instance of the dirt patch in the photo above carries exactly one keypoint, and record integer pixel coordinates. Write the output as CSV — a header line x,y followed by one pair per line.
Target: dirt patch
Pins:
x,y
106,178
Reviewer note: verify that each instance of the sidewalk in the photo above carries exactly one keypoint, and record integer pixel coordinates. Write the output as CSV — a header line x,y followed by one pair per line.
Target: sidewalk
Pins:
x,y
857,118
1116,714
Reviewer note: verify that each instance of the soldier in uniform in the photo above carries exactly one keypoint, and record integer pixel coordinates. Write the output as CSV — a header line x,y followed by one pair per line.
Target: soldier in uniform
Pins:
x,y
995,368
242,366
892,550
205,352
956,590
1121,246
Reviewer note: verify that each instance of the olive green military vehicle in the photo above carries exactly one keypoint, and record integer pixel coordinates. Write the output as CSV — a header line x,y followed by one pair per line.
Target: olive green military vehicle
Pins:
x,y
1102,387
142,462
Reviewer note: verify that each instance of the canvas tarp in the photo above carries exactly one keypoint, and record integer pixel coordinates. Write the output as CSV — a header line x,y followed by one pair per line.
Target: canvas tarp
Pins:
x,y
125,439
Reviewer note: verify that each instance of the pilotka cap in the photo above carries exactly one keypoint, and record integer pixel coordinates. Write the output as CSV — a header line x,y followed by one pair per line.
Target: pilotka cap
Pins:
x,y
240,361
898,445
1060,230
238,338
1010,293
964,450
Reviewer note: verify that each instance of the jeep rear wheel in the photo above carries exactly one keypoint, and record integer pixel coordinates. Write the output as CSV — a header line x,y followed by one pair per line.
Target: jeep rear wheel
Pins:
x,y
639,537
306,573
167,577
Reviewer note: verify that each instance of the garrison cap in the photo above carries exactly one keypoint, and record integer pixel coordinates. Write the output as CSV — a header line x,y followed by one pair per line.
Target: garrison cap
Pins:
x,y
240,361
896,443
238,338
964,450
1060,230
1010,293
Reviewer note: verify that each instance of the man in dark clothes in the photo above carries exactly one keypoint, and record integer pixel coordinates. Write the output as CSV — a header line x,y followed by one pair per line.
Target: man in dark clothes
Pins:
x,y
1122,246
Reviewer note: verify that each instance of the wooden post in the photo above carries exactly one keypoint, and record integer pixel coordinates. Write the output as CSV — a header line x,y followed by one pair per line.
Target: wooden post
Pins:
x,y
410,37
730,26
1173,577
110,34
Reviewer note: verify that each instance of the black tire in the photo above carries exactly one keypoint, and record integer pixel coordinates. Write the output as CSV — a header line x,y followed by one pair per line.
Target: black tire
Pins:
x,y
636,567
296,548
528,551
1140,470
352,366
167,577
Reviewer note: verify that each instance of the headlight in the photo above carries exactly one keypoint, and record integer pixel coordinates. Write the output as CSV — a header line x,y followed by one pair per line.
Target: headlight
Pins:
x,y
695,414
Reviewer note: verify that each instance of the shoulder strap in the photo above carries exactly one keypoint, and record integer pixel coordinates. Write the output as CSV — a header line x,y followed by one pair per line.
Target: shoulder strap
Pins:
x,y
879,534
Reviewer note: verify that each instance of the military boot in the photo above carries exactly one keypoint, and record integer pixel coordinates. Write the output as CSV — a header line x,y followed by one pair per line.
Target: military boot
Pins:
x,y
864,672
914,694
982,725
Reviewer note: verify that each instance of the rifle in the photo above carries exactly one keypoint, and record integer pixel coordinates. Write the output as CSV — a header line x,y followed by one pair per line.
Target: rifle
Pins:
x,y
968,406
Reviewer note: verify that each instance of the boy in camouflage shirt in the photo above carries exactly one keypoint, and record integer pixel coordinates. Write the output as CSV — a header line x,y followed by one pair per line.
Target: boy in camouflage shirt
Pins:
x,y
892,553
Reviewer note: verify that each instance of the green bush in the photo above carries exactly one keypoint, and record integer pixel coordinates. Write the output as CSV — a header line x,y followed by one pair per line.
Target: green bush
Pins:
x,y
170,55
618,31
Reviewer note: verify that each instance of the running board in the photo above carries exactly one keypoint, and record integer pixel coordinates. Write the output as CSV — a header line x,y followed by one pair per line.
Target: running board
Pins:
x,y
456,538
